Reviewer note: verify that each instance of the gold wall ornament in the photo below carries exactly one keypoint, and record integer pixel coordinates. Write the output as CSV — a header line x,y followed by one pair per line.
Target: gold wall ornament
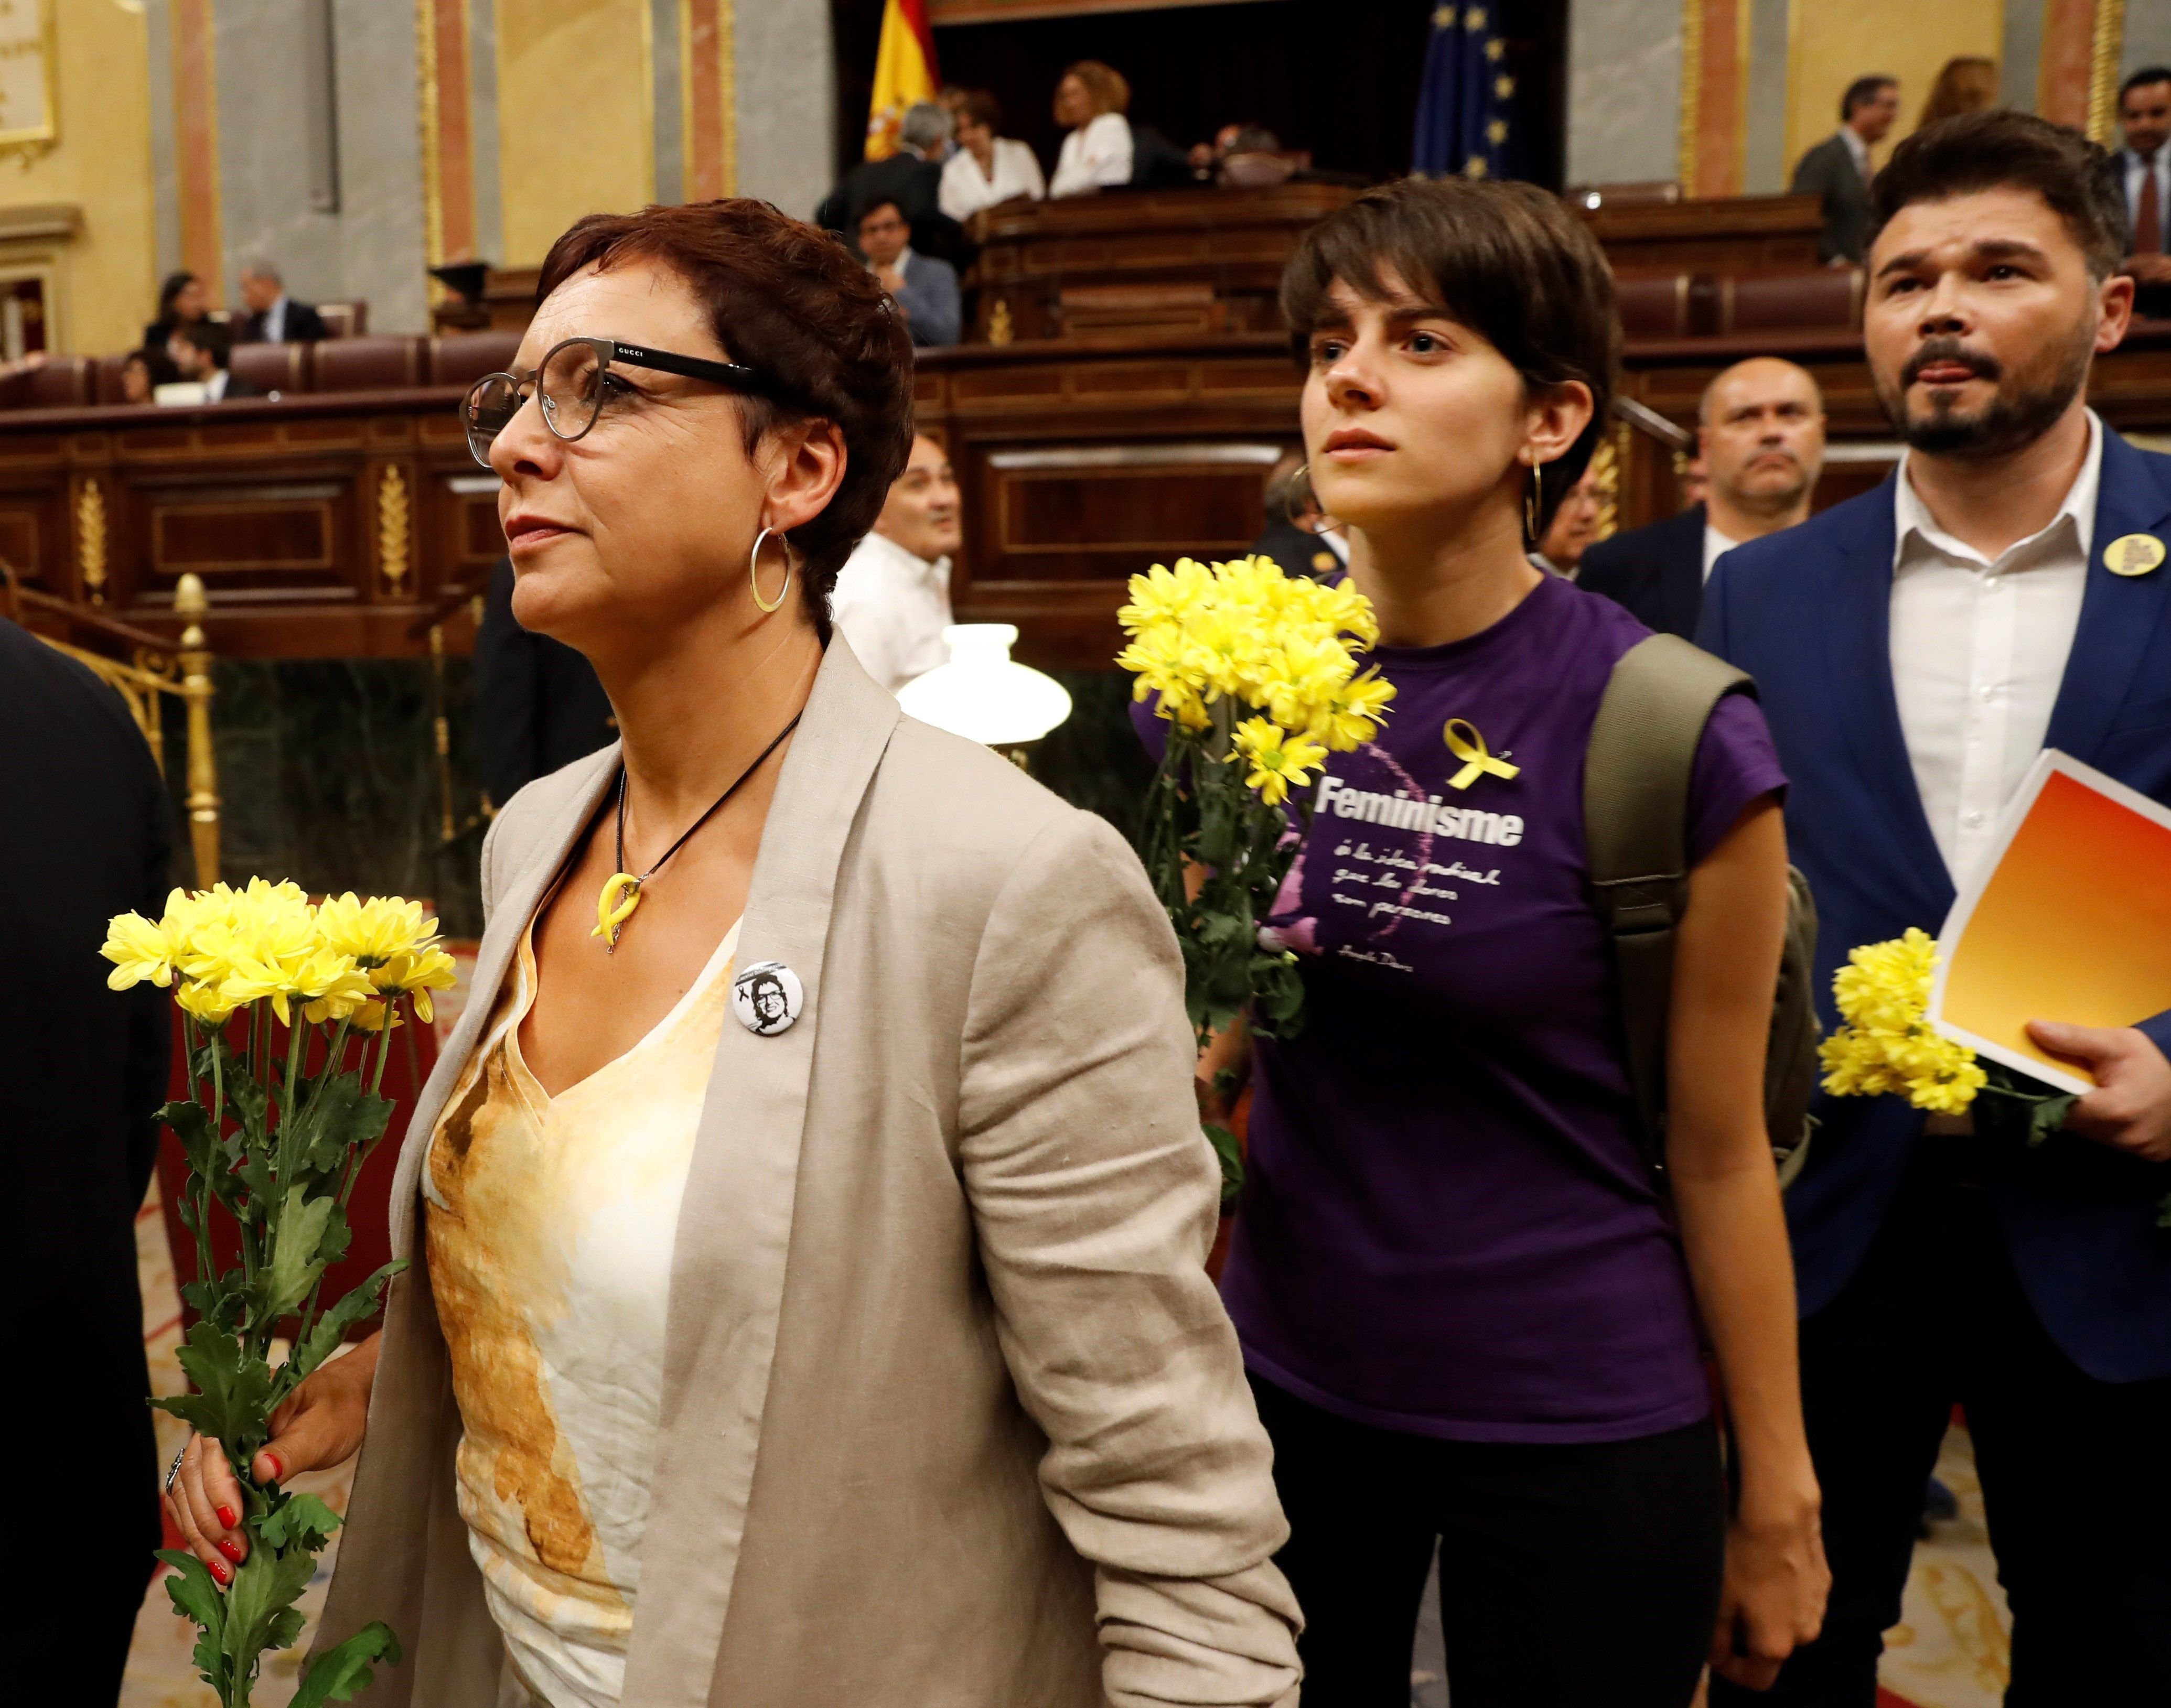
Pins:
x,y
2104,52
90,538
30,79
1607,464
392,517
1001,329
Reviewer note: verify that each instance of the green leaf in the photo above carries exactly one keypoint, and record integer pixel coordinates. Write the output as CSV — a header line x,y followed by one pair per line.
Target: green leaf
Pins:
x,y
265,1586
341,1118
191,1125
195,1597
233,1399
1231,1155
330,1329
297,1234
2048,1115
337,1673
301,1519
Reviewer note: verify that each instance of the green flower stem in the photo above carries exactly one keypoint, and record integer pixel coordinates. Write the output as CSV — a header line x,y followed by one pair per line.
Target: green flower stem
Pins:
x,y
297,1042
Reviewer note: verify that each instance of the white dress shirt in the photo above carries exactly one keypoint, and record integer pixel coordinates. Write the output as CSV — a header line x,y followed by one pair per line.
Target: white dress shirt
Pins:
x,y
1979,649
966,190
2135,168
1715,543
894,607
274,321
1095,156
1856,147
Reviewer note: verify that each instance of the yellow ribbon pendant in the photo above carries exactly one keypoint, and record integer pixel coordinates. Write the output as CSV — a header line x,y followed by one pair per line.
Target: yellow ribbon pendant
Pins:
x,y
1464,741
614,906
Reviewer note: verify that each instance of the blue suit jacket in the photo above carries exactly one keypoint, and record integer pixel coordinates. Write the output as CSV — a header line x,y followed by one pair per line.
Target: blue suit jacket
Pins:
x,y
1806,612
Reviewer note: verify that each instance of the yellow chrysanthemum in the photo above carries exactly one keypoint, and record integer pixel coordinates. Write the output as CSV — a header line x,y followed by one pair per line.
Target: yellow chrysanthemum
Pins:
x,y
1280,761
418,973
139,951
1351,714
1886,1046
375,931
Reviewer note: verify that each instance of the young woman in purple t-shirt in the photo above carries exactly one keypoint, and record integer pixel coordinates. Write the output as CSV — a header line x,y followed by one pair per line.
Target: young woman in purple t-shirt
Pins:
x,y
1469,1317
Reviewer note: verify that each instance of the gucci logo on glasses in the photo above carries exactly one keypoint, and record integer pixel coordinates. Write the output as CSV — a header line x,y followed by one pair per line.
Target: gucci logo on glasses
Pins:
x,y
573,384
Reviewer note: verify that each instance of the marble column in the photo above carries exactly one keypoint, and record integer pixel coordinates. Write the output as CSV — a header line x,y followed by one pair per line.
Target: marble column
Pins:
x,y
1624,99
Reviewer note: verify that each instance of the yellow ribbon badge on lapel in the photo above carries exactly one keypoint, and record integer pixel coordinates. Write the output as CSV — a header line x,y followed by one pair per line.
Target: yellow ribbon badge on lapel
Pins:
x,y
620,896
1464,741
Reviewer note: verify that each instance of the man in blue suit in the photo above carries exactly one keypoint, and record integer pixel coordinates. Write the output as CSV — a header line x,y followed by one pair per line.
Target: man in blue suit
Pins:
x,y
1914,649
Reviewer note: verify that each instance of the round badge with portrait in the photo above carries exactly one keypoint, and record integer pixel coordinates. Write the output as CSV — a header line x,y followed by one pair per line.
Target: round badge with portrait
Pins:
x,y
767,998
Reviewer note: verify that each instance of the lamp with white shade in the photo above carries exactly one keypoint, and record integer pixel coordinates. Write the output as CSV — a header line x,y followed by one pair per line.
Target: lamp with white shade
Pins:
x,y
984,695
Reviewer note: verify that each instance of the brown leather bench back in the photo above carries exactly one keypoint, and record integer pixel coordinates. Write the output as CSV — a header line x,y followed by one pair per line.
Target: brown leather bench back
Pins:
x,y
462,358
1813,299
273,367
369,364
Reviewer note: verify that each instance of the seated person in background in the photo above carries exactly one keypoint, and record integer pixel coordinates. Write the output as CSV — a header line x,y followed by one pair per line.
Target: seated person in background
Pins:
x,y
1838,168
1573,530
181,299
537,702
1694,481
951,98
274,317
1206,158
912,178
987,168
1090,100
1254,161
137,376
201,350
2140,174
925,287
892,597
1763,434
1299,537
1968,83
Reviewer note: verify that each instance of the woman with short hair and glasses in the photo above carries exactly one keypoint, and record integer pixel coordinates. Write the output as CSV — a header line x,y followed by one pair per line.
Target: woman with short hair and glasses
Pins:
x,y
808,1215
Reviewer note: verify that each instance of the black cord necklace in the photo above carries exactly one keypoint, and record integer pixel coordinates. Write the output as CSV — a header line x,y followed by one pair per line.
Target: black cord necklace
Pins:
x,y
621,894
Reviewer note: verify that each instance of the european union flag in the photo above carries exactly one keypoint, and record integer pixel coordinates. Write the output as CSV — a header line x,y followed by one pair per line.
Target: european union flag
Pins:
x,y
1466,106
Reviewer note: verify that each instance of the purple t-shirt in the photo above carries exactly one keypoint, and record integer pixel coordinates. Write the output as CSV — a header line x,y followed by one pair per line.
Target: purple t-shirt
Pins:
x,y
1446,1226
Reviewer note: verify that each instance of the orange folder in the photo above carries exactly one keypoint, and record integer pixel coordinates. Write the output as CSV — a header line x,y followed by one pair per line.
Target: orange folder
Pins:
x,y
2071,921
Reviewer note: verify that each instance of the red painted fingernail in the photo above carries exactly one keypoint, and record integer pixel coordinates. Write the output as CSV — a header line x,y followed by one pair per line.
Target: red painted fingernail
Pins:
x,y
231,1550
228,1517
278,1468
221,1573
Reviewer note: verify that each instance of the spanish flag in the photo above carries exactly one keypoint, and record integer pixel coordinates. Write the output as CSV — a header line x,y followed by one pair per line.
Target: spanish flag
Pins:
x,y
904,72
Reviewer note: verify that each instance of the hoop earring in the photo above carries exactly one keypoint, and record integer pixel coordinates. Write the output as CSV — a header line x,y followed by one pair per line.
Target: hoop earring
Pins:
x,y
1301,495
753,571
1534,502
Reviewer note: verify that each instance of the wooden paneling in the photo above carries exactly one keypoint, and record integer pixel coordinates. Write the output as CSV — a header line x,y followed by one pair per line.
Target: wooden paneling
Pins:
x,y
1724,234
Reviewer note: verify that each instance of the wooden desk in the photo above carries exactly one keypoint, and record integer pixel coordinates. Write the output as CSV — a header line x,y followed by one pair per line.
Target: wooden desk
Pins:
x,y
324,527
1175,262
1716,234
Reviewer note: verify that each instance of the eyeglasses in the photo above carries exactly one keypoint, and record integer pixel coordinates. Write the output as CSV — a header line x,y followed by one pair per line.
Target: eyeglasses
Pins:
x,y
572,383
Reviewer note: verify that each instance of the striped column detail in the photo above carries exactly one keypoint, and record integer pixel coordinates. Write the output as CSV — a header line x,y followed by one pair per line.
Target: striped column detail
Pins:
x,y
447,118
709,120
196,143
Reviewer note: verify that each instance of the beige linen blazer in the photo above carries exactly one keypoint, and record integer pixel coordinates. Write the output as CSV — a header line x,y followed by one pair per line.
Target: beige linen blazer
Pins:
x,y
951,1416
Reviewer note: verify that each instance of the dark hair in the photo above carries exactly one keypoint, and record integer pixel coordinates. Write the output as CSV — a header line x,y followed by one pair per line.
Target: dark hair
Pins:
x,y
1254,139
1862,90
1110,88
175,284
1506,260
215,341
790,300
2004,149
2141,79
891,202
981,108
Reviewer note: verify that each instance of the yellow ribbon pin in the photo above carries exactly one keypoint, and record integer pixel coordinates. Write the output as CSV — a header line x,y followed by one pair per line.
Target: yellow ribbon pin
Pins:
x,y
1471,749
615,906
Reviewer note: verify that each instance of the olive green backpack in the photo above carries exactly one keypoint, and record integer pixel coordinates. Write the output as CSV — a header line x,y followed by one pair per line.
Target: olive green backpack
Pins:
x,y
1635,806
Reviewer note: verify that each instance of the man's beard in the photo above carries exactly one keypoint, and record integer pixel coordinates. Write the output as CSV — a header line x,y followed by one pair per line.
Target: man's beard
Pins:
x,y
2021,409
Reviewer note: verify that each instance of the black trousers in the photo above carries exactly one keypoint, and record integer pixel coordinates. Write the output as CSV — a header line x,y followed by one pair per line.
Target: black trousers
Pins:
x,y
2076,1473
1582,1577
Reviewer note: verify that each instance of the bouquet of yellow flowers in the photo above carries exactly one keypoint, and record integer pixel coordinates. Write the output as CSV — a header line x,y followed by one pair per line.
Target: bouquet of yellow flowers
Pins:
x,y
1257,673
275,1131
1886,1044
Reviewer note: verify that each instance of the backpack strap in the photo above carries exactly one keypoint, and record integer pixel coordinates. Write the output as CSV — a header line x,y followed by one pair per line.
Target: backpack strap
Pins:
x,y
1636,778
